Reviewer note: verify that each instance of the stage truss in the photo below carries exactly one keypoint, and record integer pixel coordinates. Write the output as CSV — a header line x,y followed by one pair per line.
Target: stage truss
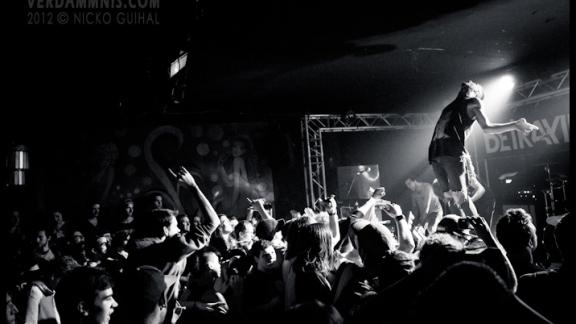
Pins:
x,y
313,126
535,91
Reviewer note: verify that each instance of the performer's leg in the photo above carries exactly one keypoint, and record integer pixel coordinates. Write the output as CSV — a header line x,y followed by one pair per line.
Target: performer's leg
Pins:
x,y
441,185
457,184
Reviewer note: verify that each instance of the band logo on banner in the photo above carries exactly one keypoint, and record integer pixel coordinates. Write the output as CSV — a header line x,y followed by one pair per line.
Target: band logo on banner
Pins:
x,y
553,131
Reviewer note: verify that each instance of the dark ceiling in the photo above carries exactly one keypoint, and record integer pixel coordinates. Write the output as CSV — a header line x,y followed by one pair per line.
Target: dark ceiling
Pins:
x,y
287,57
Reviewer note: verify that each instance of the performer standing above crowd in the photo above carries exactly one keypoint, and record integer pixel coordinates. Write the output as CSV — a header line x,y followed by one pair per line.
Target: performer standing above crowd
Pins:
x,y
447,149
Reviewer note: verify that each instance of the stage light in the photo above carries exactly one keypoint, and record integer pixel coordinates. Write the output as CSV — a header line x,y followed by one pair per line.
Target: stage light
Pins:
x,y
17,163
497,92
507,181
507,82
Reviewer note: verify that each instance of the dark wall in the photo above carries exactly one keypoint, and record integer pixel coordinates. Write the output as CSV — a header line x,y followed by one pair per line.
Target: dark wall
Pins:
x,y
72,165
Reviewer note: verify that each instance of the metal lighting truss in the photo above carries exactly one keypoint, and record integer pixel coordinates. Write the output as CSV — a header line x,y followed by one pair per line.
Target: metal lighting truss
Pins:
x,y
313,126
535,91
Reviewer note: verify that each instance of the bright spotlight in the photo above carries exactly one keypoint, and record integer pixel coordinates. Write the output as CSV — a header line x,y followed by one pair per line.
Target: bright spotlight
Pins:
x,y
497,92
507,82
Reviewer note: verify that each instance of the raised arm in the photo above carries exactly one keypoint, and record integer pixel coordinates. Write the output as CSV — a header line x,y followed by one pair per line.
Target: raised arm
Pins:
x,y
333,224
367,209
405,239
479,190
495,128
258,205
210,219
483,231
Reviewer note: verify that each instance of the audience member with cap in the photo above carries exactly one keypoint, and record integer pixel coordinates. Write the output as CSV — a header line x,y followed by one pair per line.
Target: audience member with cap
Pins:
x,y
141,296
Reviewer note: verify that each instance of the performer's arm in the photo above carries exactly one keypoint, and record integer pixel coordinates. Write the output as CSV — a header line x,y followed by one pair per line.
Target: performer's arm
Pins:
x,y
496,128
479,190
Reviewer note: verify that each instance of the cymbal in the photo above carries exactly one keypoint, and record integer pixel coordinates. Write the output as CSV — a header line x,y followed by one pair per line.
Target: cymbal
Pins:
x,y
554,220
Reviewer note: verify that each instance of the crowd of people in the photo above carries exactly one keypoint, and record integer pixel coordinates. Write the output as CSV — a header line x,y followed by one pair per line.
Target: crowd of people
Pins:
x,y
439,262
377,266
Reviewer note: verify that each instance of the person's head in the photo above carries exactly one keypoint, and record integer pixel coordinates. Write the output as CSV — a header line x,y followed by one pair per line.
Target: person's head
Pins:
x,y
196,221
233,221
183,223
77,238
244,231
85,295
57,217
164,223
515,231
206,267
264,255
393,266
239,147
94,210
441,250
267,229
471,89
411,184
293,229
101,245
372,240
141,296
225,225
41,239
157,201
317,253
128,208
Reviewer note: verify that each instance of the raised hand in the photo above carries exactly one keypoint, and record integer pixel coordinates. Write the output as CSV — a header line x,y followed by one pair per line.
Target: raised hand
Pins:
x,y
182,175
220,307
378,193
481,227
331,207
391,209
525,126
254,203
